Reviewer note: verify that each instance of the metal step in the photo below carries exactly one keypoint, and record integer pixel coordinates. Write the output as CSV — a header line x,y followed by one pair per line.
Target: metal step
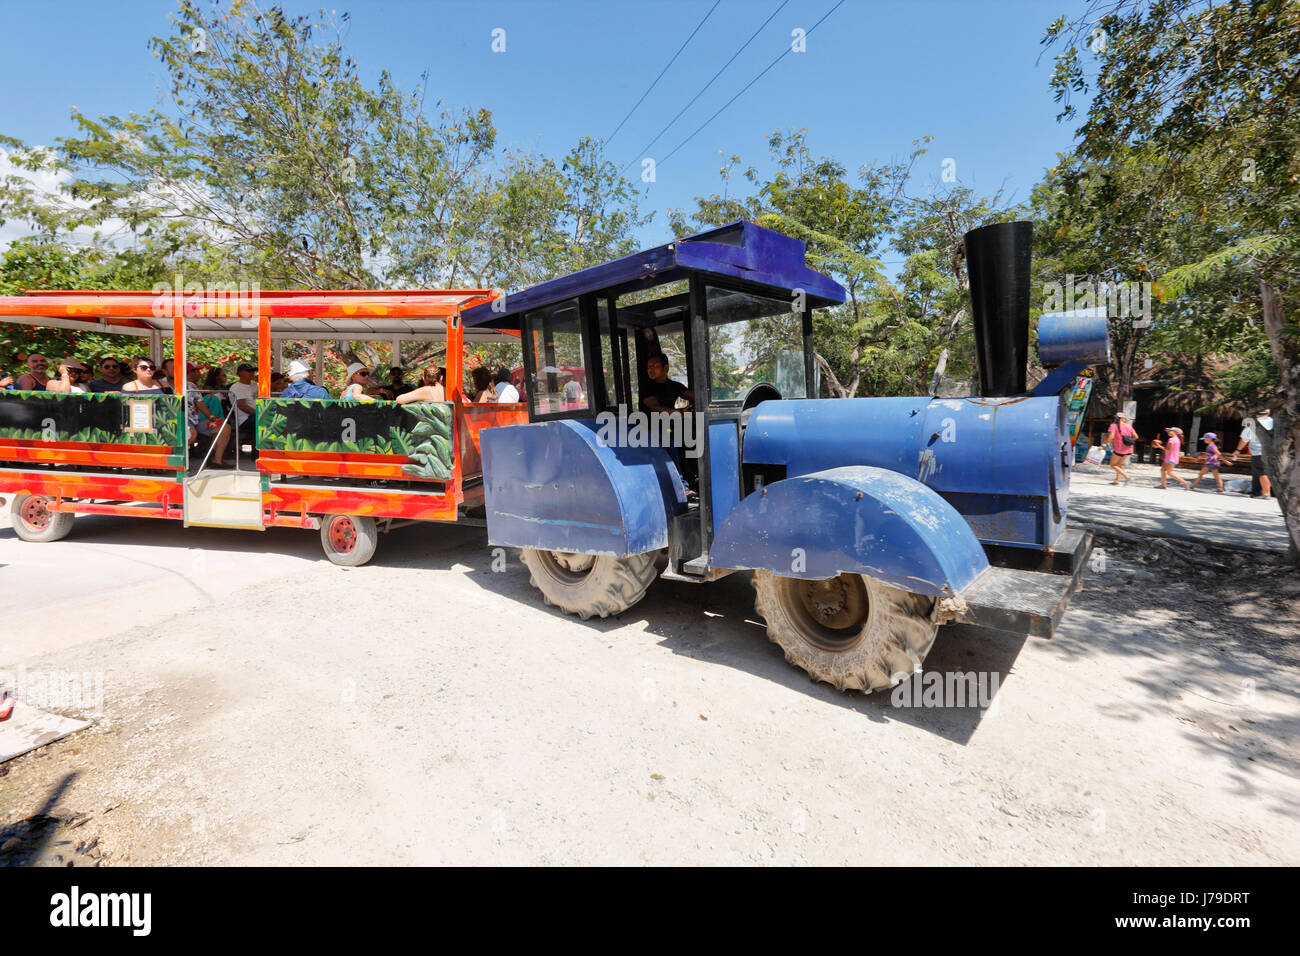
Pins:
x,y
216,498
1023,602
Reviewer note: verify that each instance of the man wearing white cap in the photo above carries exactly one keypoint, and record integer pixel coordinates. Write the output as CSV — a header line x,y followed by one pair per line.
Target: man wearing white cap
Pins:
x,y
300,383
1255,433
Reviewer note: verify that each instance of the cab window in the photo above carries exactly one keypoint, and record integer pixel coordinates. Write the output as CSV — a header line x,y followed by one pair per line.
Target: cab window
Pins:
x,y
559,362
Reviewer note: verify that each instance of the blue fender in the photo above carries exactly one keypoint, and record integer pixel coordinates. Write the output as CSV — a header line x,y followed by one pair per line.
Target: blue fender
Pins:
x,y
556,486
859,519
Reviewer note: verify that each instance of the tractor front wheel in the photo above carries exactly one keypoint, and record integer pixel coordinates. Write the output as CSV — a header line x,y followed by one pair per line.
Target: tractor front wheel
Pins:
x,y
349,540
590,585
851,631
34,521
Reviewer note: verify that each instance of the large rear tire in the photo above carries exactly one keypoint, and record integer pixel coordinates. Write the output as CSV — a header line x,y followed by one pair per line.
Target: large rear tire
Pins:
x,y
852,632
349,540
590,585
34,521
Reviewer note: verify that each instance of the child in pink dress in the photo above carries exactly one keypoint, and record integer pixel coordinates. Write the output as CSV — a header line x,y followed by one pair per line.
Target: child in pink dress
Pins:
x,y
1172,449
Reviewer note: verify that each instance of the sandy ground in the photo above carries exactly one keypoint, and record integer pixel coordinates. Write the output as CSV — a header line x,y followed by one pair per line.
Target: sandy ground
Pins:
x,y
263,706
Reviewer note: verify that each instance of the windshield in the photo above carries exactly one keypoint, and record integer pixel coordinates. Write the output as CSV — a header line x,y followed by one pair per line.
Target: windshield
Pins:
x,y
753,339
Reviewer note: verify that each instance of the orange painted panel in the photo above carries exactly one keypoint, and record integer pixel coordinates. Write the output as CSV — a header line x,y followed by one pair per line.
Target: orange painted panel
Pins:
x,y
72,485
472,419
338,469
359,501
358,458
73,453
83,445
146,309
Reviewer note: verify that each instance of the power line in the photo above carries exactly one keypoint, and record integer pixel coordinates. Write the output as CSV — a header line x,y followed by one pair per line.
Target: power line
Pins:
x,y
646,147
661,73
746,87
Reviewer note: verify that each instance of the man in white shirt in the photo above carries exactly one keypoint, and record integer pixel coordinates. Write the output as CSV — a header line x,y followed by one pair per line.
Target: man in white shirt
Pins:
x,y
1255,434
505,391
244,396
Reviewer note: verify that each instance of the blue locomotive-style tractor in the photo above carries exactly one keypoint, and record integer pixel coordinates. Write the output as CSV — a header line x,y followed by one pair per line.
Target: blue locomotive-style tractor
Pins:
x,y
867,522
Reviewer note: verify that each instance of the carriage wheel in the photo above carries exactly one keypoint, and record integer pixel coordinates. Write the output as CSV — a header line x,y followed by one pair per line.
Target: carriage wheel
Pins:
x,y
349,540
34,521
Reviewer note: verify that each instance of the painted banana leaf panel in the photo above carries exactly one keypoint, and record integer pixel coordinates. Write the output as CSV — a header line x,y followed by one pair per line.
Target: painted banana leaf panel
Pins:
x,y
102,417
420,431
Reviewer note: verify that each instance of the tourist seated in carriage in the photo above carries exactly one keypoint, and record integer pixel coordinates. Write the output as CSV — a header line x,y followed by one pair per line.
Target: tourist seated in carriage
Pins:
x,y
432,387
358,384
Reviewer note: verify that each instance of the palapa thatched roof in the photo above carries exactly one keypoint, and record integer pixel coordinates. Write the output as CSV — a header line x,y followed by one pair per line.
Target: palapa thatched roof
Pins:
x,y
1187,387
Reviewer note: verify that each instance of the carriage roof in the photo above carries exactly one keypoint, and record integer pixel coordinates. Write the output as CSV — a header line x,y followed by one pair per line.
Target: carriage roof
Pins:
x,y
291,313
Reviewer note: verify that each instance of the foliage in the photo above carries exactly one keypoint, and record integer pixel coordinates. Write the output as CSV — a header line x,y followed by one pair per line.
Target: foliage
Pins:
x,y
166,419
274,162
431,458
1192,143
887,338
1206,94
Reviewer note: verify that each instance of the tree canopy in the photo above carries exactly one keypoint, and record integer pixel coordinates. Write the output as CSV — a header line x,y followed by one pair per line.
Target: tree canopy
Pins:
x,y
1190,145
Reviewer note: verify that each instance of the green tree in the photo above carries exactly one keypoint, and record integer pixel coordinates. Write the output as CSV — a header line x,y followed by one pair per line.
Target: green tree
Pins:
x,y
274,162
933,289
1205,94
44,263
888,338
845,226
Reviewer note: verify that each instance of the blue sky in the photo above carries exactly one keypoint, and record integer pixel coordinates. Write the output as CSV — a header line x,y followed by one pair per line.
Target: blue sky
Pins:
x,y
875,77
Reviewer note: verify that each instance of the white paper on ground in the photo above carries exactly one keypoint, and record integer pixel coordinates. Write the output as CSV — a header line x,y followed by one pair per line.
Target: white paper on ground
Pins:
x,y
28,728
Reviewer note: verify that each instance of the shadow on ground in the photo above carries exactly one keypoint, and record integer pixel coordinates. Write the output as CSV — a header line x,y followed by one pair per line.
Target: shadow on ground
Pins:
x,y
46,838
1217,650
716,623
1211,640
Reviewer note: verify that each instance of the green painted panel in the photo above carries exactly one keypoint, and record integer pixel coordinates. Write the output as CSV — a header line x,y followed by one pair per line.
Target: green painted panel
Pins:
x,y
421,430
93,417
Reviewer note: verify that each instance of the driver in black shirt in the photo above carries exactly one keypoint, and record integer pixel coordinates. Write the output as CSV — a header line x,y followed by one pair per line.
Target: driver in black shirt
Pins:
x,y
660,394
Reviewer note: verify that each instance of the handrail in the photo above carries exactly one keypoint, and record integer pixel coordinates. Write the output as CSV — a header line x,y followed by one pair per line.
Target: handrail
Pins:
x,y
212,445
234,425
197,393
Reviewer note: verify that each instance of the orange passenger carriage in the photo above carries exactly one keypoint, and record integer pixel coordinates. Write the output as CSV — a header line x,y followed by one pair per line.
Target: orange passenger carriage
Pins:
x,y
349,469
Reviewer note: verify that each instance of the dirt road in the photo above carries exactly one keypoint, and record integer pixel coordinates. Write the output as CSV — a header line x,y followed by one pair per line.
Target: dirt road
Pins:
x,y
263,706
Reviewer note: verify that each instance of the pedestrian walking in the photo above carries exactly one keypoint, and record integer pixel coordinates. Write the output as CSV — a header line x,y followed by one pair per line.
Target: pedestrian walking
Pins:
x,y
1255,432
1120,438
1211,462
1172,447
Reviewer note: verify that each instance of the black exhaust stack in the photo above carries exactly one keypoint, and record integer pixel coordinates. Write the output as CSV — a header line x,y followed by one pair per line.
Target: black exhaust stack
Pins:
x,y
997,263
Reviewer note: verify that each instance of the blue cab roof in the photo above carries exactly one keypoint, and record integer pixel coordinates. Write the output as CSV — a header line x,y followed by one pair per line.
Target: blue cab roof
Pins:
x,y
740,250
